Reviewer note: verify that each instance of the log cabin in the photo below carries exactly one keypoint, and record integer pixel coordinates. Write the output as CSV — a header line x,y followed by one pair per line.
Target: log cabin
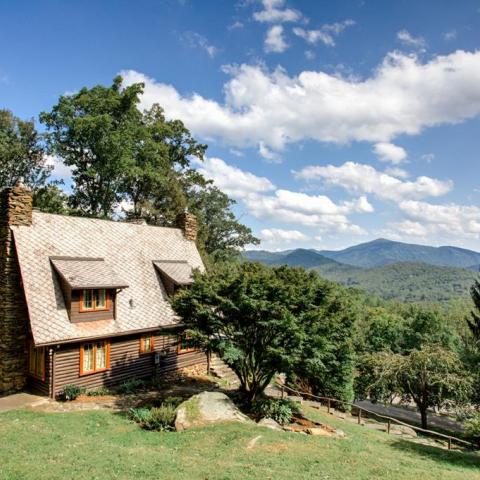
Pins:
x,y
85,301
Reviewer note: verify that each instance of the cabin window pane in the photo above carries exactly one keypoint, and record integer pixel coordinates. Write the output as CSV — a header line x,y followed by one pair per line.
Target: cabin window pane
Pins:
x,y
87,300
101,356
101,299
147,344
88,358
36,361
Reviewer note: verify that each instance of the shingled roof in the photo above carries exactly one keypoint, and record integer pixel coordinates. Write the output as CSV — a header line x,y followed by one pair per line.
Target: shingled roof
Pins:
x,y
127,253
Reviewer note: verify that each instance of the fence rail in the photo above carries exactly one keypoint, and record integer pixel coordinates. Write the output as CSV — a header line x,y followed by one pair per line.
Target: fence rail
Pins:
x,y
335,401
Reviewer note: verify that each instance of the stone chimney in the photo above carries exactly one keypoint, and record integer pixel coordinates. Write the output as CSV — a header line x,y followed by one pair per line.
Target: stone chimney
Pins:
x,y
188,223
15,210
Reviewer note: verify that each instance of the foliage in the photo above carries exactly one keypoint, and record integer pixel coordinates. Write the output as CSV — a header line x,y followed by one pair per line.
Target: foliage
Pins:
x,y
472,426
51,199
99,392
159,418
242,311
263,320
280,410
130,386
21,153
474,320
430,376
72,392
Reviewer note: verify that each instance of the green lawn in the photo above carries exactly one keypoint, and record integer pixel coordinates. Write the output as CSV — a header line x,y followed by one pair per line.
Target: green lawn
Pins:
x,y
103,445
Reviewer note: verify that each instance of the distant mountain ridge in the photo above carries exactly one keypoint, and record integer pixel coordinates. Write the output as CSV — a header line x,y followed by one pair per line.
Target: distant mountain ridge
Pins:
x,y
388,269
375,254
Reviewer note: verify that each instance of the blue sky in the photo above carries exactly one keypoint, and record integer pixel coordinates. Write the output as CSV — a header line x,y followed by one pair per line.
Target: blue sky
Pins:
x,y
330,123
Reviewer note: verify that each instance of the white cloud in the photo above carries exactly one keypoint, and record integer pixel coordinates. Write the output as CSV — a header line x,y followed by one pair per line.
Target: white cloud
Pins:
x,y
274,41
428,157
388,152
309,54
267,154
444,223
403,96
195,40
450,35
287,236
323,34
397,172
274,12
360,178
406,38
59,171
235,25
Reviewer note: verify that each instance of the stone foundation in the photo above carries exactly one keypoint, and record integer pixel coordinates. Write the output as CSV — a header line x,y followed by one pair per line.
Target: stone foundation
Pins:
x,y
15,209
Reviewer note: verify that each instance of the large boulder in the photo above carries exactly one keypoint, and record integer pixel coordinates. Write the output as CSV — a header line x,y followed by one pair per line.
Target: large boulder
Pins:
x,y
269,423
207,408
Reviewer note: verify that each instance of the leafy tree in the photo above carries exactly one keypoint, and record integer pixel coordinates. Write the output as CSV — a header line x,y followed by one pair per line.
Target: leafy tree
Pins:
x,y
474,320
51,199
94,131
242,312
430,377
21,152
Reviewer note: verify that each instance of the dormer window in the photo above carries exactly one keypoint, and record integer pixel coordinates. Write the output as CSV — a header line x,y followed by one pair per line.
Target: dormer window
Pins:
x,y
92,300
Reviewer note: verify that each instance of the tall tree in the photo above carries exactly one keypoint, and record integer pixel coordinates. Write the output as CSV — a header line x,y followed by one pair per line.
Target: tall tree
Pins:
x,y
474,320
94,131
21,152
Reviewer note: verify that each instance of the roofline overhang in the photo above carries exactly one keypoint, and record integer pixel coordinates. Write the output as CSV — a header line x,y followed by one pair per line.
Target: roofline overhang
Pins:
x,y
111,335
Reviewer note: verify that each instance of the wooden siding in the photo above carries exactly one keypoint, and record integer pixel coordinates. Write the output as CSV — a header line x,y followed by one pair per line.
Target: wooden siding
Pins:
x,y
77,316
125,362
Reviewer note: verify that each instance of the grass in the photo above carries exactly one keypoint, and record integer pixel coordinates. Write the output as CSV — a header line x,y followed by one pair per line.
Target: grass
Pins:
x,y
104,445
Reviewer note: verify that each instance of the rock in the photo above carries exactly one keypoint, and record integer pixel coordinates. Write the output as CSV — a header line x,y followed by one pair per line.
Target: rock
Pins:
x,y
403,430
269,423
207,408
319,432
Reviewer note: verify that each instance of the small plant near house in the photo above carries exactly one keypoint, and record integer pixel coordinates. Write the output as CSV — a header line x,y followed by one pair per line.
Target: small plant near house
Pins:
x,y
99,392
72,392
159,419
277,409
131,386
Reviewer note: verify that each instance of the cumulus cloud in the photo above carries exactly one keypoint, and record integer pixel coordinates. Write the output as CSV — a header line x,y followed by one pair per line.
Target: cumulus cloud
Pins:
x,y
232,180
450,35
287,236
267,154
397,172
59,171
274,40
406,38
403,96
388,152
324,34
440,223
195,40
274,11
264,201
360,178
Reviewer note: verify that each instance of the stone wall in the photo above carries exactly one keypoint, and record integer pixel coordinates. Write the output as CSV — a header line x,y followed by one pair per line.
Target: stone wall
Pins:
x,y
188,223
15,209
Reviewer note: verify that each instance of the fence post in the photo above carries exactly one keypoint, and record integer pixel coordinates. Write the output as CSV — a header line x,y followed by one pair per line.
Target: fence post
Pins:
x,y
388,426
359,415
328,406
283,392
449,443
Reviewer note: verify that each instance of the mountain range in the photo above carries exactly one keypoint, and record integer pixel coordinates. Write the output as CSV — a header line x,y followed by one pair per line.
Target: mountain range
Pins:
x,y
388,269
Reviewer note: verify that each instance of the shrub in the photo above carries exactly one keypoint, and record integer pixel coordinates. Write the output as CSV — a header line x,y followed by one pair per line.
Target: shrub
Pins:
x,y
131,386
472,427
277,409
173,401
159,419
71,392
98,392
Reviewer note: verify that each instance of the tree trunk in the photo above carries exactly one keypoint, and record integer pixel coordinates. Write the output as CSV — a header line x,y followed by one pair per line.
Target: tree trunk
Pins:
x,y
423,415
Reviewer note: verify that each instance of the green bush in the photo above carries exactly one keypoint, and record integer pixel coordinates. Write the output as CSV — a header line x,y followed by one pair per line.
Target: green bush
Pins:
x,y
131,386
71,392
99,392
160,419
472,427
277,409
173,401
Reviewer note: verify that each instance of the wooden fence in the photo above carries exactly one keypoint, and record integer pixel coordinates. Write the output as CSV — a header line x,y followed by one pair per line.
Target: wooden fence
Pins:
x,y
331,402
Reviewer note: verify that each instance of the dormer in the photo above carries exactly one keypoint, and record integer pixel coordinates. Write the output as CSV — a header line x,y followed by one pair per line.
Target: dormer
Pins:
x,y
89,287
175,274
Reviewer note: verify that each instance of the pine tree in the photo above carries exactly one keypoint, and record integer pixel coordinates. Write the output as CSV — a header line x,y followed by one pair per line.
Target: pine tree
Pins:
x,y
474,321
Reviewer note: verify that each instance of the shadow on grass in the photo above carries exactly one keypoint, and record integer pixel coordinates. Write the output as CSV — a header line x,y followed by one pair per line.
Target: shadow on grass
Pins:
x,y
454,458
